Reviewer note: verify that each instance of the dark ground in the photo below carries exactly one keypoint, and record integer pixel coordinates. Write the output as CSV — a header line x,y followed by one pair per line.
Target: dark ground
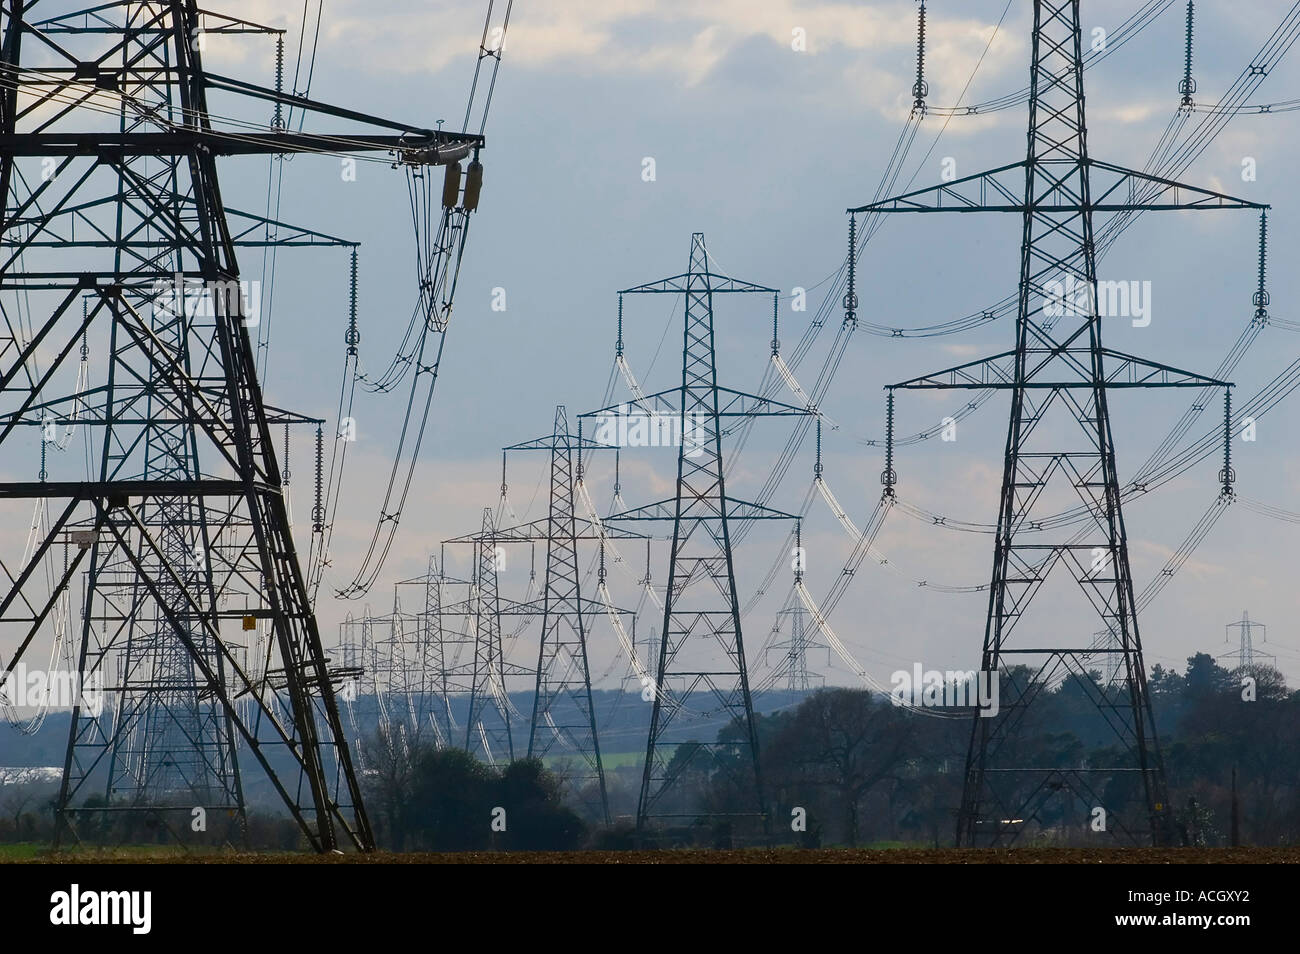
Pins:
x,y
760,856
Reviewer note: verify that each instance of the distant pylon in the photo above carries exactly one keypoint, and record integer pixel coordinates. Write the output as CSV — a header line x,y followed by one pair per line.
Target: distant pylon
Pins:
x,y
1106,644
487,691
793,651
1247,656
563,713
440,655
701,647
563,710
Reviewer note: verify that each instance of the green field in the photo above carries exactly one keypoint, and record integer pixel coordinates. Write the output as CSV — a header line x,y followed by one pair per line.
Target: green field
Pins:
x,y
22,851
610,760
33,851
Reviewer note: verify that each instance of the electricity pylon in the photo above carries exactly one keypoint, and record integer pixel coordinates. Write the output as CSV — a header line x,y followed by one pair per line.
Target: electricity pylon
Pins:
x,y
701,647
793,651
411,662
1059,379
430,676
1247,652
563,710
488,673
180,509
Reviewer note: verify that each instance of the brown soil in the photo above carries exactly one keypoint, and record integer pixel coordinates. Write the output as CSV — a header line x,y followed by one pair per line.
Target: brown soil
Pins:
x,y
1064,855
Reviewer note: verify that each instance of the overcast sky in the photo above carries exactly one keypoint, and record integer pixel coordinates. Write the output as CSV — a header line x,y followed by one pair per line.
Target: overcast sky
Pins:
x,y
762,147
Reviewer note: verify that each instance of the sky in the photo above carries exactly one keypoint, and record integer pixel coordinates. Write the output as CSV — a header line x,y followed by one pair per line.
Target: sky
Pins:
x,y
765,121
762,146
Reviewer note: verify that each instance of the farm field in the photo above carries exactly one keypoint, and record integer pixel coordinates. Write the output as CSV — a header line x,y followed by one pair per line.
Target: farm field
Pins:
x,y
1048,855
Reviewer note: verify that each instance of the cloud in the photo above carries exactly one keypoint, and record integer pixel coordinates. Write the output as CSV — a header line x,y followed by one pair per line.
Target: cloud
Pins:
x,y
681,40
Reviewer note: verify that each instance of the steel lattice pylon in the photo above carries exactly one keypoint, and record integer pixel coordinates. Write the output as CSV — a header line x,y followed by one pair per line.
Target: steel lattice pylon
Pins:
x,y
488,674
169,749
793,651
563,668
701,647
563,713
1059,378
437,656
180,515
414,670
1247,652
434,662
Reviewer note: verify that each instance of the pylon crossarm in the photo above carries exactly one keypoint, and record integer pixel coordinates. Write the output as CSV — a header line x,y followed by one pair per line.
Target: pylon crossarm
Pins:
x,y
537,530
692,281
1130,371
740,404
569,442
76,80
254,235
731,403
1002,190
276,415
659,510
967,194
1127,181
537,607
126,145
91,20
94,489
736,510
748,510
660,403
229,84
76,409
1126,371
504,607
982,373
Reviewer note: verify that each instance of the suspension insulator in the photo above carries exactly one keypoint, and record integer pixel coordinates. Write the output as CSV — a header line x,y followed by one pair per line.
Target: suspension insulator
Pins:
x,y
851,296
286,474
1187,85
920,89
889,476
352,336
1260,298
318,510
618,343
776,335
451,186
1227,476
817,467
278,120
473,185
